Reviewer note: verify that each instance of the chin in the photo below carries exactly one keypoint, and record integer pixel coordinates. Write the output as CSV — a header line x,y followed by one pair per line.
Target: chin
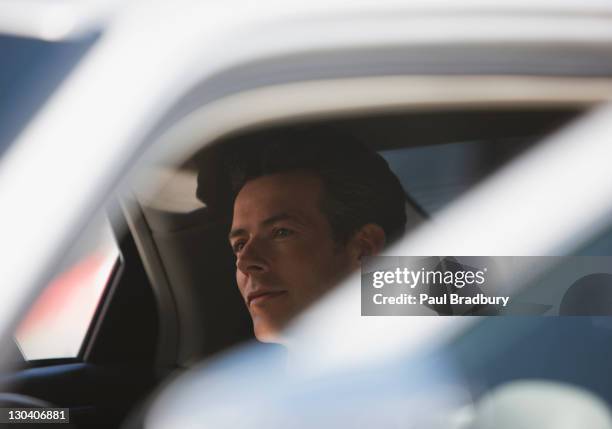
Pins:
x,y
266,333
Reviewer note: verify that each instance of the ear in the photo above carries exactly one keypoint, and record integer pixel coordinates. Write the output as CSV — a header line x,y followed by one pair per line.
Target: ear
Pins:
x,y
369,240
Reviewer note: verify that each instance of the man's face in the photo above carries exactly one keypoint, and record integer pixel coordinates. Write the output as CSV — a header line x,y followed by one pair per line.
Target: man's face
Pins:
x,y
285,254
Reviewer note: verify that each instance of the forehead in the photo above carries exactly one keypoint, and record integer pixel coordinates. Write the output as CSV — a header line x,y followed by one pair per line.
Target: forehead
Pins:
x,y
297,193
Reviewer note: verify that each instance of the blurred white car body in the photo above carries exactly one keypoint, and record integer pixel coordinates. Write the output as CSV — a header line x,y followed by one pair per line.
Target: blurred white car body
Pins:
x,y
132,89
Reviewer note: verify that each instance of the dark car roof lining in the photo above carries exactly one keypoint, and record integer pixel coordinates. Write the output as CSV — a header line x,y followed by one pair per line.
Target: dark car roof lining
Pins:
x,y
420,129
410,129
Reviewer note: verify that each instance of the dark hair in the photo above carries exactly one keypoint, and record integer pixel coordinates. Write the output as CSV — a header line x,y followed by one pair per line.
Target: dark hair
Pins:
x,y
359,187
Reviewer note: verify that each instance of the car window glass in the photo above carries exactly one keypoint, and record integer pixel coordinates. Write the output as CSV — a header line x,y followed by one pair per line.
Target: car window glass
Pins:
x,y
58,322
435,175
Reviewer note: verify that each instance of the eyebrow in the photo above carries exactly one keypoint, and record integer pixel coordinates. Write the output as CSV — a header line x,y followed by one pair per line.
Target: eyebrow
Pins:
x,y
269,221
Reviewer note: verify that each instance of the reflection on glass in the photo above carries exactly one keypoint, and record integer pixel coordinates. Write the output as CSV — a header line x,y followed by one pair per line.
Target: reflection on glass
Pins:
x,y
57,323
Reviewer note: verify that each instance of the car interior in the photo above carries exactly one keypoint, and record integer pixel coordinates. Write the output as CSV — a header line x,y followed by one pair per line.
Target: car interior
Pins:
x,y
172,301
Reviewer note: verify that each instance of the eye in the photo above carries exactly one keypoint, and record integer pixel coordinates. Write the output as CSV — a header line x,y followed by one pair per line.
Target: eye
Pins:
x,y
281,232
238,246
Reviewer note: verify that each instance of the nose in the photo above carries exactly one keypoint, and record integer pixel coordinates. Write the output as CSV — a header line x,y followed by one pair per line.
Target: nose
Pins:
x,y
251,259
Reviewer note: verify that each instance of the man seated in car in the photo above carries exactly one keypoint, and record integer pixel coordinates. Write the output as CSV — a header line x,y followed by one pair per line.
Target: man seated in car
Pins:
x,y
308,208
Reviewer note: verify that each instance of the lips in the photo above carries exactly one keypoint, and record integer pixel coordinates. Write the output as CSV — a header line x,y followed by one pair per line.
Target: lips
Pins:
x,y
263,295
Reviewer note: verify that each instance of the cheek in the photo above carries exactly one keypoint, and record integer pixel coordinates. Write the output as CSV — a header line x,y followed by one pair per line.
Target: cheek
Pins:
x,y
333,267
240,281
313,270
